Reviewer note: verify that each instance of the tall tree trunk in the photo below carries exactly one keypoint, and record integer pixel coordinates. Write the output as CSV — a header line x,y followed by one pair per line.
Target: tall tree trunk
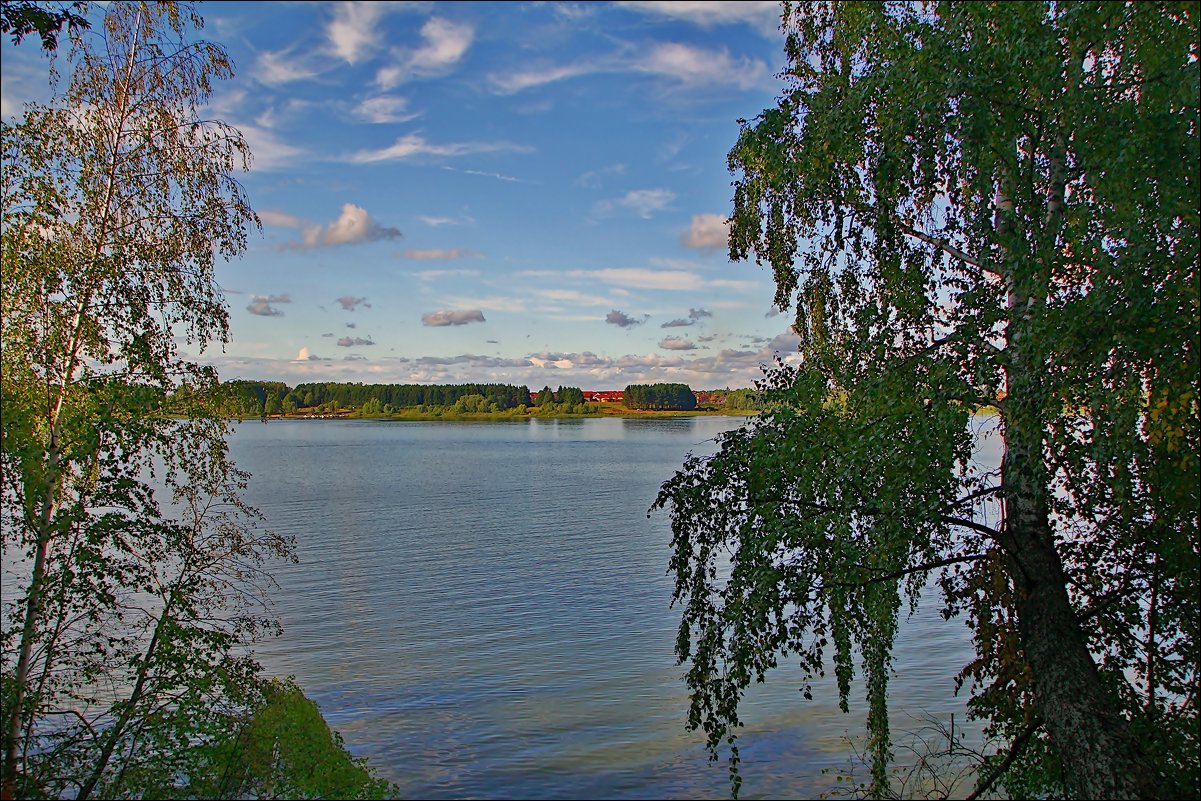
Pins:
x,y
1100,757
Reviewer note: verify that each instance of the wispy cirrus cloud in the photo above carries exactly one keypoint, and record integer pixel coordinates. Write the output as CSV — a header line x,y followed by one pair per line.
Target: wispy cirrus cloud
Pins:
x,y
412,145
762,16
444,43
440,254
448,317
700,67
385,109
354,30
353,226
643,202
681,64
275,67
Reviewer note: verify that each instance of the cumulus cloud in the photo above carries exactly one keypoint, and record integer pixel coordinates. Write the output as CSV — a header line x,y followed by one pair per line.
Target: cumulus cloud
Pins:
x,y
305,356
353,226
262,305
676,343
445,317
353,342
623,320
351,303
436,254
707,231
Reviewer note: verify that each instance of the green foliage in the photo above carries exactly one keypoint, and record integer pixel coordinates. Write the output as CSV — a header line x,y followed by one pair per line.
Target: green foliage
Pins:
x,y
283,748
571,396
401,396
970,206
23,17
659,396
139,573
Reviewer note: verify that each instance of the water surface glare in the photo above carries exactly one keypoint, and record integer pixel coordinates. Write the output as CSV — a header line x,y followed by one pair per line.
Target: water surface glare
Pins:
x,y
482,609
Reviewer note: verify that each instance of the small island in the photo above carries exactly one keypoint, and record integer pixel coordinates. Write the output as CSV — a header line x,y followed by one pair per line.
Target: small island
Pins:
x,y
247,399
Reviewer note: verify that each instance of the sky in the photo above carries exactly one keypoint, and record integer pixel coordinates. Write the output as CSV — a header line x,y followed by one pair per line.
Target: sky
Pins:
x,y
525,193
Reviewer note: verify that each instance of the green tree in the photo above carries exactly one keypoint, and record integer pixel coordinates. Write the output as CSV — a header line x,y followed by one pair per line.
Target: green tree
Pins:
x,y
571,395
544,397
971,205
23,17
144,580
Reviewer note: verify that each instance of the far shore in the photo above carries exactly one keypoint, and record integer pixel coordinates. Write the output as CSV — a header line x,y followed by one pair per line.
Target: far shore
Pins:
x,y
448,414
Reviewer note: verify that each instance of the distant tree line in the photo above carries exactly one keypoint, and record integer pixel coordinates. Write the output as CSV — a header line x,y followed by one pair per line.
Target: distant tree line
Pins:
x,y
744,399
570,396
260,398
659,396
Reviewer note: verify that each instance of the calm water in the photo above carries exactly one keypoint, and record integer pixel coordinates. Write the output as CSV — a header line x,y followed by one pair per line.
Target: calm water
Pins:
x,y
482,609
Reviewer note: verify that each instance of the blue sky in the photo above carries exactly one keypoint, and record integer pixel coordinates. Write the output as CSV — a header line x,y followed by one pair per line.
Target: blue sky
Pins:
x,y
527,193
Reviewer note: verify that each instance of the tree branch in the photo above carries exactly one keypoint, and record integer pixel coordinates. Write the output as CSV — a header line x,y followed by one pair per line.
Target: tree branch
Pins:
x,y
1015,749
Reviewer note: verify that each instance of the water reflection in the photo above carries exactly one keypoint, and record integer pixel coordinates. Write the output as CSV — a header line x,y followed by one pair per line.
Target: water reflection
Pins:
x,y
483,610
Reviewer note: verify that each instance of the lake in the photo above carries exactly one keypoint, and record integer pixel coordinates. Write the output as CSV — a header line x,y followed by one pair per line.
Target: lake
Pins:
x,y
482,609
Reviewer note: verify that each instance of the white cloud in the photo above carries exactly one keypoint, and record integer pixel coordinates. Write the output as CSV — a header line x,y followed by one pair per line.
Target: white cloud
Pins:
x,y
493,303
528,79
281,219
412,145
444,45
354,30
683,64
354,225
693,65
385,109
641,278
267,151
305,356
275,67
430,275
440,254
445,317
643,202
763,16
573,296
707,231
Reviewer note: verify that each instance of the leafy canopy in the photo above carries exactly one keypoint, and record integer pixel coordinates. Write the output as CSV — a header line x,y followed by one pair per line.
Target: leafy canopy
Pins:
x,y
971,205
139,574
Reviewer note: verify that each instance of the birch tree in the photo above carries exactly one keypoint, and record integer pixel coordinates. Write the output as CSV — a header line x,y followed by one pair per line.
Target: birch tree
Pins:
x,y
141,571
971,205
